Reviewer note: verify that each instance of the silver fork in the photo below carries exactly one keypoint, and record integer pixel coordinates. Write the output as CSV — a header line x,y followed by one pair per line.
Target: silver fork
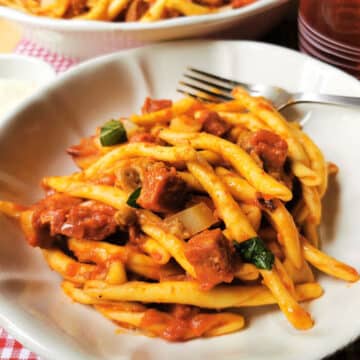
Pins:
x,y
211,87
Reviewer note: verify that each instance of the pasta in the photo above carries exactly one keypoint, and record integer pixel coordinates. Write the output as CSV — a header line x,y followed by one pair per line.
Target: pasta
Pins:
x,y
123,10
193,211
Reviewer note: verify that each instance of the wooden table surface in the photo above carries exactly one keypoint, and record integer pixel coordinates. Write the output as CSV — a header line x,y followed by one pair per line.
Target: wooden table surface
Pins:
x,y
9,36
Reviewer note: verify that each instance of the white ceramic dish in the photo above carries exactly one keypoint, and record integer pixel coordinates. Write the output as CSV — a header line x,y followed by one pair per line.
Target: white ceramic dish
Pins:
x,y
32,306
25,68
29,74
85,39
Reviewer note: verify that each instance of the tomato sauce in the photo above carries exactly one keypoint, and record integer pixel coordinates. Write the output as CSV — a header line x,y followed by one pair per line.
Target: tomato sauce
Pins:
x,y
182,323
72,269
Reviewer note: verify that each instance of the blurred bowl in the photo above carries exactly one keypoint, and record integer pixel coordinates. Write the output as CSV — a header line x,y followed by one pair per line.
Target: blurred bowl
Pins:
x,y
84,39
25,68
20,76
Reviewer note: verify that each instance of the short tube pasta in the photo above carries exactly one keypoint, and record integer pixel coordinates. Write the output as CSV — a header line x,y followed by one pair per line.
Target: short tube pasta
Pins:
x,y
221,297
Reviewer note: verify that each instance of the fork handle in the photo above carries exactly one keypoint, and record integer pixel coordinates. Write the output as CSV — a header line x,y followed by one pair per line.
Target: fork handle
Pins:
x,y
322,99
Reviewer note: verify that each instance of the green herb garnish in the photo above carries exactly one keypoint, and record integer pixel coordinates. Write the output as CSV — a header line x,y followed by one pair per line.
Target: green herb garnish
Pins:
x,y
131,201
254,251
112,133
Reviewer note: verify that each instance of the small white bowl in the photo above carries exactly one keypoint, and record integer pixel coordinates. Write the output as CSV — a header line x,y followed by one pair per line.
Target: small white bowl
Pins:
x,y
21,76
25,68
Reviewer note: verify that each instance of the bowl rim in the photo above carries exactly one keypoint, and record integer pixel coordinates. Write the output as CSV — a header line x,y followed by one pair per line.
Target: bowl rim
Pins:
x,y
93,26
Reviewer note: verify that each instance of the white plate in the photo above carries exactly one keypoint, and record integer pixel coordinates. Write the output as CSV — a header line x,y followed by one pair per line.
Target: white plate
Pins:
x,y
84,39
32,143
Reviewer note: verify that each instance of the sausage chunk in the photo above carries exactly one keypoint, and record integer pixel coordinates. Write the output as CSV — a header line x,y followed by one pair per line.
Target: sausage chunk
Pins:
x,y
48,215
151,105
162,190
212,123
89,220
210,254
60,214
270,147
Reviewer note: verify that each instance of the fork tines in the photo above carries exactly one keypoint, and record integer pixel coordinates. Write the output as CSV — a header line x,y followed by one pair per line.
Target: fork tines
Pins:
x,y
205,86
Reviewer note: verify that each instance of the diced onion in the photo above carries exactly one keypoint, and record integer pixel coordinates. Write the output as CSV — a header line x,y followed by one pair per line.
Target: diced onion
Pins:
x,y
191,221
130,127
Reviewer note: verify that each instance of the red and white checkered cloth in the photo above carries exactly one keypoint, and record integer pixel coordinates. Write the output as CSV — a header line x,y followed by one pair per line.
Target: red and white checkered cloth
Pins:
x,y
10,349
58,62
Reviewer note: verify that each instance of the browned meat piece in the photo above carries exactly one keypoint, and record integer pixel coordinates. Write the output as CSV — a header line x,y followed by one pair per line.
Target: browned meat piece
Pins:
x,y
90,220
162,190
142,137
271,149
47,215
136,10
85,153
60,214
210,254
151,105
212,123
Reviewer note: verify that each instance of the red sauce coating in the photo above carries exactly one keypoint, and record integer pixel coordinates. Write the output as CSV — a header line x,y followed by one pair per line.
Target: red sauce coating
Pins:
x,y
136,10
213,124
270,147
142,137
72,269
84,153
211,256
239,3
182,323
76,8
151,105
108,180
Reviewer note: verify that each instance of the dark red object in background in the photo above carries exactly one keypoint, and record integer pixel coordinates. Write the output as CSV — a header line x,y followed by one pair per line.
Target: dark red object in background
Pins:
x,y
329,30
336,19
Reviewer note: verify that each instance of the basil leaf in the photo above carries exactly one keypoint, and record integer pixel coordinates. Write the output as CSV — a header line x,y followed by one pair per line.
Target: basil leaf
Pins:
x,y
131,201
112,133
254,251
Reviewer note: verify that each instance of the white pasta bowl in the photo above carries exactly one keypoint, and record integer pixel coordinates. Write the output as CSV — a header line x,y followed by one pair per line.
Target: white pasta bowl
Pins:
x,y
32,143
84,39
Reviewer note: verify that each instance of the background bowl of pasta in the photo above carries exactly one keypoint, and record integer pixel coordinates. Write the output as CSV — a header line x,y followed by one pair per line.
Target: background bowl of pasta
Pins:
x,y
101,31
32,141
